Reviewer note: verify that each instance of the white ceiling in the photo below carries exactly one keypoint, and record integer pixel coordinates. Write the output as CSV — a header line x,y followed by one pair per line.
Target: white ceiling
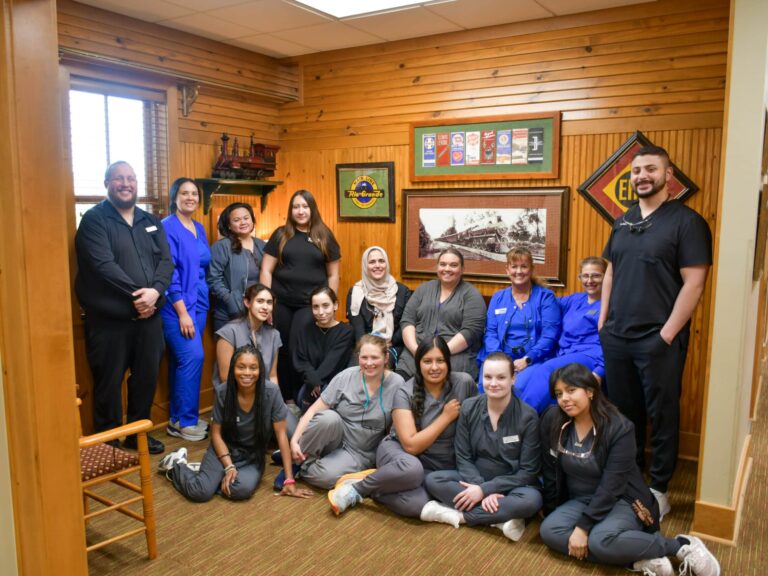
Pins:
x,y
284,28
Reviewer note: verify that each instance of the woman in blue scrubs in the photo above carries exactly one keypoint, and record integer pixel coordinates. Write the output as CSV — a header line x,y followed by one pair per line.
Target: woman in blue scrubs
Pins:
x,y
523,321
186,310
579,341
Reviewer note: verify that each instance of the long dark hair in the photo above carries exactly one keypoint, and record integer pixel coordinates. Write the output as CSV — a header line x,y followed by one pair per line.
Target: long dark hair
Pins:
x,y
252,291
419,391
223,224
600,408
318,232
174,191
229,424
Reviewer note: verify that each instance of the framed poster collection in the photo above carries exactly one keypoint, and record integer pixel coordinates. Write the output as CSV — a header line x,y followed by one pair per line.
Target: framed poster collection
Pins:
x,y
489,148
484,224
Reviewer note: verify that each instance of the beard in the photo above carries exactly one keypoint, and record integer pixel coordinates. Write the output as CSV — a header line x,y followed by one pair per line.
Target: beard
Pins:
x,y
121,204
656,187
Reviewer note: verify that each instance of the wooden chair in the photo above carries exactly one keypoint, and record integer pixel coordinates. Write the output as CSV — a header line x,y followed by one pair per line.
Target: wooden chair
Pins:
x,y
101,463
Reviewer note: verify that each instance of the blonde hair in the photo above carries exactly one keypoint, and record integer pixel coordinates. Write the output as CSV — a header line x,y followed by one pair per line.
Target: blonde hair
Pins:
x,y
520,253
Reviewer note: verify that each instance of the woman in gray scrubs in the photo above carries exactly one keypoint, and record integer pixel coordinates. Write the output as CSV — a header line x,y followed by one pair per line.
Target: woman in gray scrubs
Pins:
x,y
497,459
424,414
598,506
340,432
447,307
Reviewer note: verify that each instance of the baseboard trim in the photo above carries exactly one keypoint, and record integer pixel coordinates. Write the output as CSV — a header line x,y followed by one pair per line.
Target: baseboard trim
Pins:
x,y
721,523
688,449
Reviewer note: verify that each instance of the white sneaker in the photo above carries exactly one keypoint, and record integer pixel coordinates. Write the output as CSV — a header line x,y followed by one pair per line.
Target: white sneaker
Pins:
x,y
433,511
663,500
170,460
696,559
512,529
654,567
189,433
201,424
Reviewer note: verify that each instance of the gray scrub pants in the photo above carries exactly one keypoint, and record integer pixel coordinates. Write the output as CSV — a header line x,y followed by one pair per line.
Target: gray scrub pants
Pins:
x,y
617,539
202,485
398,482
328,457
521,502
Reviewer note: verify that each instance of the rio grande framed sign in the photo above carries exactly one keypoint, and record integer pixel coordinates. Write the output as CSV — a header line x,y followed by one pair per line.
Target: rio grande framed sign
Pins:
x,y
609,189
365,192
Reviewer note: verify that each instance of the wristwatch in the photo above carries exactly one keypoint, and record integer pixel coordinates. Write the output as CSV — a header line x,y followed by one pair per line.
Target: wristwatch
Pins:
x,y
528,360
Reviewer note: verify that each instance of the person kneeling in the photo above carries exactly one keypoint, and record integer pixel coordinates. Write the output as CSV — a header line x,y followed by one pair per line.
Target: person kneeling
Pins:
x,y
497,458
243,413
598,506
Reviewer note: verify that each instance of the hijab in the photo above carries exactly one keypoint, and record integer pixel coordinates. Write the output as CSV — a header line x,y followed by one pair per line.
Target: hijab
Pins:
x,y
379,295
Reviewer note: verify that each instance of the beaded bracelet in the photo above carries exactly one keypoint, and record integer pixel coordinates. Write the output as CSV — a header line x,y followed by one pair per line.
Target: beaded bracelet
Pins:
x,y
230,467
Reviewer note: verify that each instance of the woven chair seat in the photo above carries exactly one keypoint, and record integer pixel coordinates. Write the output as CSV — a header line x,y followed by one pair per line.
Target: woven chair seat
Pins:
x,y
104,459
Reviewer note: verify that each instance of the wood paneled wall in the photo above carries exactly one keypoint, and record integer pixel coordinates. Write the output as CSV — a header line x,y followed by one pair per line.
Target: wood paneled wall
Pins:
x,y
91,32
657,67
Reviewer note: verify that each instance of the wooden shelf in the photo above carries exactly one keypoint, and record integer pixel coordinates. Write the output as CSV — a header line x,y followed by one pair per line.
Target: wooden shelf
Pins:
x,y
213,186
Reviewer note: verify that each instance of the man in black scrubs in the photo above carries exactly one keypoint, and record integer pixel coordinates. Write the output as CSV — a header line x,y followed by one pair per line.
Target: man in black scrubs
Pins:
x,y
124,268
659,254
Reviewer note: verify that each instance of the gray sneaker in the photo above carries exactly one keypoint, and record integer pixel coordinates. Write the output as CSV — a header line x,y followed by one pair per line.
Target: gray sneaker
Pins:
x,y
189,433
654,567
169,460
695,559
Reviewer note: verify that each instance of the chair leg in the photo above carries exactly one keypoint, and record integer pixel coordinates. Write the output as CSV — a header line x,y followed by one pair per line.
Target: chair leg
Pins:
x,y
148,501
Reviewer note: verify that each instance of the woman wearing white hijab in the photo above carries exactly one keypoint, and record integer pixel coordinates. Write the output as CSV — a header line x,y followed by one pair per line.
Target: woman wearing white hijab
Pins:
x,y
376,302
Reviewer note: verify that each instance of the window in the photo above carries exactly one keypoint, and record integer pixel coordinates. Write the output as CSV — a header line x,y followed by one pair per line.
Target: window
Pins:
x,y
111,122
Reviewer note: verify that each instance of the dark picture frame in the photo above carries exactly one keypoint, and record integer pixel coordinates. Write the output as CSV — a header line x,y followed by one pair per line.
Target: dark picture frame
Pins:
x,y
484,224
365,192
608,190
486,148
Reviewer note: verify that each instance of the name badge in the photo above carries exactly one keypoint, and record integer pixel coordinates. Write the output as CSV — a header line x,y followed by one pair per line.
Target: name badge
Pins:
x,y
510,439
500,311
591,312
151,228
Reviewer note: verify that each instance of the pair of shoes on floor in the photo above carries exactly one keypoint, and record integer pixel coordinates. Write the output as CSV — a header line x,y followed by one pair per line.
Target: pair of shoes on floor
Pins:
x,y
155,446
280,479
434,511
170,460
189,433
344,495
695,560
512,529
663,499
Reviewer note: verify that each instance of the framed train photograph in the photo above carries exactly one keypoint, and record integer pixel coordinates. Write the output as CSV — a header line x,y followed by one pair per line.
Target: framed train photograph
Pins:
x,y
484,224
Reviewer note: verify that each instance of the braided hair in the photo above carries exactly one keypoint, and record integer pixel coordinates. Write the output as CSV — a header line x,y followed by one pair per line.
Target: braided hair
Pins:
x,y
419,391
229,425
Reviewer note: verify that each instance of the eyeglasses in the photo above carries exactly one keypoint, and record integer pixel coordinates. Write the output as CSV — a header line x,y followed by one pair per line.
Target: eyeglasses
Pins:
x,y
637,227
587,277
563,450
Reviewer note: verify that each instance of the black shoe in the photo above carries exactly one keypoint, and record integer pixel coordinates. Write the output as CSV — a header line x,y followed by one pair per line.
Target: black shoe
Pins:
x,y
155,446
277,458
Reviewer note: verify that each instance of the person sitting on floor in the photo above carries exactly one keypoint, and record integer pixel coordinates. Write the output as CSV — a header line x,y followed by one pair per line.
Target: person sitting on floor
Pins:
x,y
598,506
244,413
340,432
579,340
497,459
424,414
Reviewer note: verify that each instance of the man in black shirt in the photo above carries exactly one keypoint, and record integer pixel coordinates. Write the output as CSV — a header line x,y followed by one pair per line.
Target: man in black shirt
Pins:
x,y
124,268
659,254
